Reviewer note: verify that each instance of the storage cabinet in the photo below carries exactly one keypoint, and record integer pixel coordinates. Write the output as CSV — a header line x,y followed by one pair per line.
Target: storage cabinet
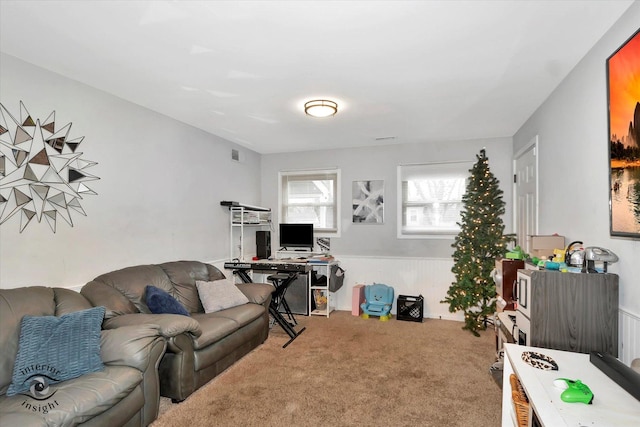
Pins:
x,y
568,311
505,279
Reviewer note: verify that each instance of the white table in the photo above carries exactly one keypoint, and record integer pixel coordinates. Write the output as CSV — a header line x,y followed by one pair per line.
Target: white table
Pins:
x,y
612,405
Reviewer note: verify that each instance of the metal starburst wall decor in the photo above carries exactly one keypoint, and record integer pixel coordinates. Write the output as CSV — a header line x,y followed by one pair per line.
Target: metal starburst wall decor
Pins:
x,y
42,174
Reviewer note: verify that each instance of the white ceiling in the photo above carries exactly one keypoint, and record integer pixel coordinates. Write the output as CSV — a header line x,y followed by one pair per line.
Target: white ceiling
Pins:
x,y
418,71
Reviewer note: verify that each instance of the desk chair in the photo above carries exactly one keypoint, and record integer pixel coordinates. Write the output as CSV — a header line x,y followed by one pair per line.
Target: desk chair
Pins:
x,y
281,281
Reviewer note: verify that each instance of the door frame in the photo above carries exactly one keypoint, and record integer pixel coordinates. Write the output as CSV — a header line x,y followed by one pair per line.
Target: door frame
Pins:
x,y
532,144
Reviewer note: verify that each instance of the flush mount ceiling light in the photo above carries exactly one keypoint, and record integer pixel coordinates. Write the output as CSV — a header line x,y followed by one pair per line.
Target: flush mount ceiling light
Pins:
x,y
320,108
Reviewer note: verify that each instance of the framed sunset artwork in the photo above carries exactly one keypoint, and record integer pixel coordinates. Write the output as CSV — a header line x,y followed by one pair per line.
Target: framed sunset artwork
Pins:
x,y
623,91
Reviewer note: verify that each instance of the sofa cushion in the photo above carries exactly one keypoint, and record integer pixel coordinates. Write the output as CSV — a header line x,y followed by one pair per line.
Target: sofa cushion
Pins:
x,y
242,314
214,328
78,400
116,303
56,349
218,325
183,276
160,302
219,295
14,304
69,301
132,281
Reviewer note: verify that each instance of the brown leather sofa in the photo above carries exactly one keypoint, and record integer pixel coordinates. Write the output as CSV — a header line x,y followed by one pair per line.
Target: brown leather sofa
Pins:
x,y
199,347
125,393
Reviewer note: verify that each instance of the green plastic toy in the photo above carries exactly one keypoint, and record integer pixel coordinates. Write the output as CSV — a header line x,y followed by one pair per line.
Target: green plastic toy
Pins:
x,y
516,253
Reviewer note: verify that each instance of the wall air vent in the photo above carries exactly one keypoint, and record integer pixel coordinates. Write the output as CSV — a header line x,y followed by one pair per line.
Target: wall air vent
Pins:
x,y
235,155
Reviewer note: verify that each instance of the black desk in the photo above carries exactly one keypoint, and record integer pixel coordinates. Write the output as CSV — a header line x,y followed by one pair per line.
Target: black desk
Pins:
x,y
292,269
298,294
241,268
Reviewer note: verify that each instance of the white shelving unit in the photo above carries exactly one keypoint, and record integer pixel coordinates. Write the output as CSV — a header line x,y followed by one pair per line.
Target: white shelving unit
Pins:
x,y
323,290
241,217
321,268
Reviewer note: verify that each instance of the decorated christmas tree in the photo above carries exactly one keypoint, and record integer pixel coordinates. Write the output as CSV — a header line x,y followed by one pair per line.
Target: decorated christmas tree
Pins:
x,y
480,241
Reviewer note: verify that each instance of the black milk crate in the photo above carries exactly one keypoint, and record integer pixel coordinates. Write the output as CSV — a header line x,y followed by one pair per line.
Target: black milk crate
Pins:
x,y
410,308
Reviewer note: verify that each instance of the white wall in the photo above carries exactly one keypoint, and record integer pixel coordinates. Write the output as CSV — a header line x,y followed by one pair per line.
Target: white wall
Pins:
x,y
161,183
372,253
573,137
380,163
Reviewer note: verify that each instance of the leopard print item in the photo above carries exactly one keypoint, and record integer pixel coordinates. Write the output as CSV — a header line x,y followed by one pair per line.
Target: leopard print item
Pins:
x,y
539,361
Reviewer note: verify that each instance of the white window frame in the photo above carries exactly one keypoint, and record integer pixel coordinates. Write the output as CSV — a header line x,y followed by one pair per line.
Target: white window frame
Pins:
x,y
405,172
322,232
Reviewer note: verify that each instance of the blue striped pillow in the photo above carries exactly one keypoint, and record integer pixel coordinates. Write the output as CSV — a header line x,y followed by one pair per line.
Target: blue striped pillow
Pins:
x,y
54,349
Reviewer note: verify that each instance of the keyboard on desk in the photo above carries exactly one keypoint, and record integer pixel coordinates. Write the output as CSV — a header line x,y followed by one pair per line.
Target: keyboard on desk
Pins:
x,y
285,267
237,265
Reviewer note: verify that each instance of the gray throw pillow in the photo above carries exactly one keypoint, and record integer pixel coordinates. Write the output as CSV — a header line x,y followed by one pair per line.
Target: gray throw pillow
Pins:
x,y
220,294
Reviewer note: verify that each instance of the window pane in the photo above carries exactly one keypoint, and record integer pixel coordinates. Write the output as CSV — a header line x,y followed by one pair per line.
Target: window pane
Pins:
x,y
320,216
432,217
310,198
436,189
305,192
432,197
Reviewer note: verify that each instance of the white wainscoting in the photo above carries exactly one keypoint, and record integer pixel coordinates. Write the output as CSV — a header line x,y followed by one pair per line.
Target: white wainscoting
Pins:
x,y
429,277
629,342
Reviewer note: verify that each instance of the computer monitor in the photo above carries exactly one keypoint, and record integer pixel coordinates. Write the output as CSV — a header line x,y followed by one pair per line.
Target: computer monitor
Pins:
x,y
296,236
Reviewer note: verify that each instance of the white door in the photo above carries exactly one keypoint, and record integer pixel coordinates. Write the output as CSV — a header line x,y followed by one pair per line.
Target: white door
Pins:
x,y
526,195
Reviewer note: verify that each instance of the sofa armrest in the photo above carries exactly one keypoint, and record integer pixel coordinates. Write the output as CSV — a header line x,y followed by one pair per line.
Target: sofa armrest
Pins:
x,y
140,347
169,325
129,345
257,293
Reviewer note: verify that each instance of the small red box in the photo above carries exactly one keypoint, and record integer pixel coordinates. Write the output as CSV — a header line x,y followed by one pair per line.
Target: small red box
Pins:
x,y
356,299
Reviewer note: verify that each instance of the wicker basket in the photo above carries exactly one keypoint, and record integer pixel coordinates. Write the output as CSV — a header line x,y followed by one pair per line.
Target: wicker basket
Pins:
x,y
520,401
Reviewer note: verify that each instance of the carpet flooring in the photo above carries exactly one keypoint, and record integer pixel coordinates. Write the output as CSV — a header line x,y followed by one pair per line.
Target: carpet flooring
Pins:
x,y
348,371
